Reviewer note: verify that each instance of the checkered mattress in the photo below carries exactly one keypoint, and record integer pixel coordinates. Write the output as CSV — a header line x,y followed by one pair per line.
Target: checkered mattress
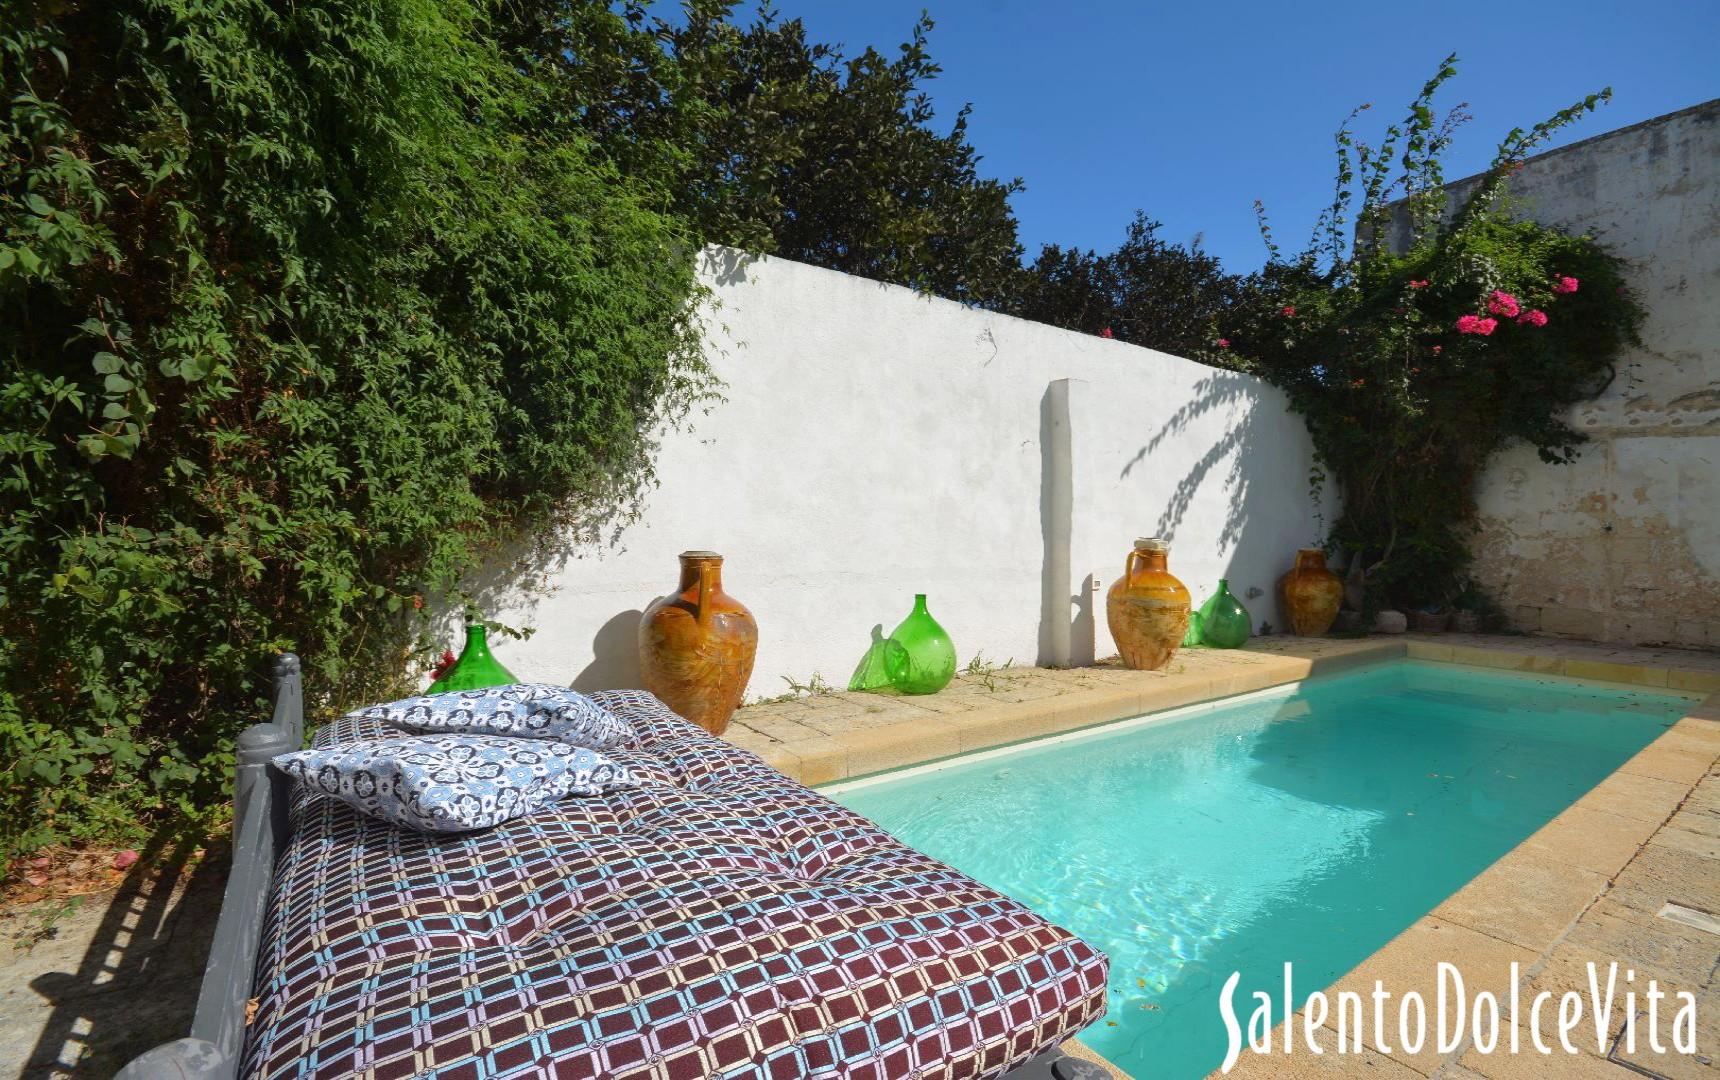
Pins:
x,y
720,920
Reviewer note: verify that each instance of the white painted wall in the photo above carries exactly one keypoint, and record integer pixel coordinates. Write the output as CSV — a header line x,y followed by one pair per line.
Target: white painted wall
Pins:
x,y
876,443
1624,545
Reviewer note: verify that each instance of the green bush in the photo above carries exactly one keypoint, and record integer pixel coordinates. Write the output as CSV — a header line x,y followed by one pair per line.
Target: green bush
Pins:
x,y
302,306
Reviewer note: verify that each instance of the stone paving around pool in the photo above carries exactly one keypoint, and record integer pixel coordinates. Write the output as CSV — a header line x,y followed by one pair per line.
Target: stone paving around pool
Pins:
x,y
1590,885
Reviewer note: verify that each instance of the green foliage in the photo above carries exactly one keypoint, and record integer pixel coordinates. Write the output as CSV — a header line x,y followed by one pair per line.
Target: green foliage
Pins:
x,y
301,306
1363,333
783,145
1146,292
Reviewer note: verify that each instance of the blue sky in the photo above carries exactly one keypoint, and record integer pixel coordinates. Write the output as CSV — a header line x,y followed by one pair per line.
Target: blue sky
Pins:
x,y
1192,110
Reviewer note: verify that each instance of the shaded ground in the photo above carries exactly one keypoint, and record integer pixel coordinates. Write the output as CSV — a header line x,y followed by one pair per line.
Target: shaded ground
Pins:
x,y
89,982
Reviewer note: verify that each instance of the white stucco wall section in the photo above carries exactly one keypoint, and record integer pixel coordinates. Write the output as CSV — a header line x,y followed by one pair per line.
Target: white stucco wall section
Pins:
x,y
875,443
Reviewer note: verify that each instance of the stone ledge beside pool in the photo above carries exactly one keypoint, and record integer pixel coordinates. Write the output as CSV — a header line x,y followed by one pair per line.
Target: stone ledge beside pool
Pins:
x,y
1586,886
828,737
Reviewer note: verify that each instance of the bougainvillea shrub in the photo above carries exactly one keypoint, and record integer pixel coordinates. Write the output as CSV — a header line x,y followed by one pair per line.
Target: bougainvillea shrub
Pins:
x,y
1421,332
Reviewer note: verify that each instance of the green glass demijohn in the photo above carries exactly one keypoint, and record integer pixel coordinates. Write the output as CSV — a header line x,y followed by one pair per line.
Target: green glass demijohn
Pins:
x,y
1192,639
1224,622
926,660
476,668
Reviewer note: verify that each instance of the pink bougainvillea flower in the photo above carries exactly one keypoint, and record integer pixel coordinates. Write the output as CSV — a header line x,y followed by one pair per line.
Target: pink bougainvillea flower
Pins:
x,y
1565,285
1502,303
1287,309
1533,318
1358,383
1437,349
124,860
1106,332
1224,343
1466,324
1422,284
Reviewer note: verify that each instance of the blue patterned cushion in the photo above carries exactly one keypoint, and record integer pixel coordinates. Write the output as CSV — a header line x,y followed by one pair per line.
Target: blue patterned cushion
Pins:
x,y
453,783
530,710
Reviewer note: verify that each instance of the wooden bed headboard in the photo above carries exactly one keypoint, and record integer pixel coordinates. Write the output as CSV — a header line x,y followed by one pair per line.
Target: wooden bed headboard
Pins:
x,y
260,829
261,800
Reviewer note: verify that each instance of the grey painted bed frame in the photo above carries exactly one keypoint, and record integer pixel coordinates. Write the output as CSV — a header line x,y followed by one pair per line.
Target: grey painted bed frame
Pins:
x,y
261,798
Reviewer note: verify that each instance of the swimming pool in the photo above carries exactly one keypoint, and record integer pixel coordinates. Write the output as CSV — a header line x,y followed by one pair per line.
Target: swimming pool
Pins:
x,y
1308,824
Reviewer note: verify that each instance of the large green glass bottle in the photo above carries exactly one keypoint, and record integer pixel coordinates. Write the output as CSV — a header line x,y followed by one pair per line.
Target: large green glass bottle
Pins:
x,y
476,668
1224,622
926,661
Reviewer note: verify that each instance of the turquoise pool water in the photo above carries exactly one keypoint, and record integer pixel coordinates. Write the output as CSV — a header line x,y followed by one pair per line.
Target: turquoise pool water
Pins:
x,y
1310,825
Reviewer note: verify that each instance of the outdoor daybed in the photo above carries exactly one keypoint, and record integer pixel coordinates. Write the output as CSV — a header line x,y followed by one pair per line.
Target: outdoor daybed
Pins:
x,y
717,920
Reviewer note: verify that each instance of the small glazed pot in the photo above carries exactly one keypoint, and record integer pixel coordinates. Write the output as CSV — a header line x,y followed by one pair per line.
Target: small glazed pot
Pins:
x,y
1147,608
1309,594
1465,622
696,645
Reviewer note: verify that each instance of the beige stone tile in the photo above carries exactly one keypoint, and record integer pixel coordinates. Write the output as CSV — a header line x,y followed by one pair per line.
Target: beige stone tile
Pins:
x,y
1538,663
1686,679
1661,873
782,760
1530,1065
1564,970
1527,898
1704,796
1689,843
1173,694
1001,725
1592,840
1095,707
1695,820
747,739
1693,739
1697,731
1429,650
1331,1065
1645,798
892,747
1669,1062
1605,671
944,703
822,759
1669,762
1639,941
1410,962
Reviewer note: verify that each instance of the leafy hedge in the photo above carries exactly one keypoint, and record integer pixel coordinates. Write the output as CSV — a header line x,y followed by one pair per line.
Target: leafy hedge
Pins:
x,y
301,306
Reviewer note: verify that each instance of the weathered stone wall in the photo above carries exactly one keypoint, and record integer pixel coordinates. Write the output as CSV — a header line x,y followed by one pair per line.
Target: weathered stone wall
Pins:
x,y
1624,544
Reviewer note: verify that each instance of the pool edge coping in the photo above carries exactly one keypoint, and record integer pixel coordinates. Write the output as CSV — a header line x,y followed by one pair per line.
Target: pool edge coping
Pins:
x,y
1668,768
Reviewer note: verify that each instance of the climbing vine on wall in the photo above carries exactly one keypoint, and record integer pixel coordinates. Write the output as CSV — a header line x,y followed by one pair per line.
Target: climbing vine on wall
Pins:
x,y
1423,329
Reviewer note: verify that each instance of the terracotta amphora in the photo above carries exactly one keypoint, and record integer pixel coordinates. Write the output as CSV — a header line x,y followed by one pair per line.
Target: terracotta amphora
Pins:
x,y
1147,607
696,646
1310,594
